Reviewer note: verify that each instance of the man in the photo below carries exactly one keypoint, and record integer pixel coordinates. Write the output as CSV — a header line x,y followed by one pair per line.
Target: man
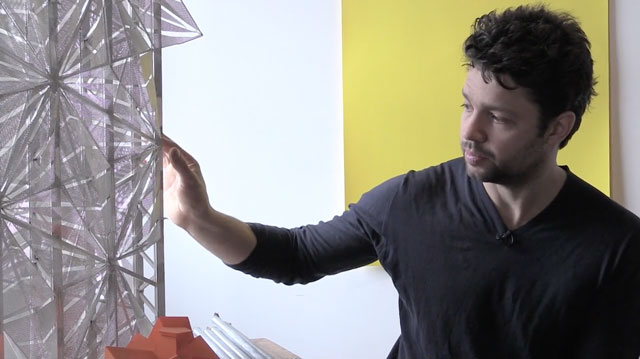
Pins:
x,y
498,254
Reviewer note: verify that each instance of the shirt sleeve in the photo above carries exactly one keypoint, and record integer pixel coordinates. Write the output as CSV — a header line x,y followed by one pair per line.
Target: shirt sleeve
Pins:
x,y
308,253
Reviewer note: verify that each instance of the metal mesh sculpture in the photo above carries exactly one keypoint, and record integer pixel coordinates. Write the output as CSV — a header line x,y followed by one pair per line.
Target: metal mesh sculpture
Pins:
x,y
80,177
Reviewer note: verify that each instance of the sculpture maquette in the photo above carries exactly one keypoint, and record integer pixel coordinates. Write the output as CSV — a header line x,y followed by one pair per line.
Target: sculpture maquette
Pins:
x,y
80,177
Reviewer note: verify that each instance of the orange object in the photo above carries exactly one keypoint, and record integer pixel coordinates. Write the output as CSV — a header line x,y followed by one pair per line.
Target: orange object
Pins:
x,y
170,338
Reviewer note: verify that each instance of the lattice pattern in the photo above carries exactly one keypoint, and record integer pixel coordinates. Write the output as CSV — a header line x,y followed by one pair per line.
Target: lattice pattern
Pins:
x,y
80,173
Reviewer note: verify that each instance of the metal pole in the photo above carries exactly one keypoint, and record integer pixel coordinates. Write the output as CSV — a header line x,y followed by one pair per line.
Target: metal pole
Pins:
x,y
158,215
56,221
239,339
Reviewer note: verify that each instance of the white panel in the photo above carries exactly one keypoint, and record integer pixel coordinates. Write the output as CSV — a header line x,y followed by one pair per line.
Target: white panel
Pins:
x,y
258,100
625,87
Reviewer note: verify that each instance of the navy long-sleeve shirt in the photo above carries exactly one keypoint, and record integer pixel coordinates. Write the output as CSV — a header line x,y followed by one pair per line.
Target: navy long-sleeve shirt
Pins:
x,y
564,285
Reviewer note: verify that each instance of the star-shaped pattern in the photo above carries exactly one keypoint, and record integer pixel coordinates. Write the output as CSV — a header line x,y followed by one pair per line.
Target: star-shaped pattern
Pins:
x,y
80,171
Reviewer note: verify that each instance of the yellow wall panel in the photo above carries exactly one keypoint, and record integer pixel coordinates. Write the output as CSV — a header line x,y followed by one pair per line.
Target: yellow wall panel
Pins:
x,y
403,74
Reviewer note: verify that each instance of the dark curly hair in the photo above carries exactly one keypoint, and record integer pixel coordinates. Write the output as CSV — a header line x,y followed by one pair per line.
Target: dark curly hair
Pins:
x,y
543,51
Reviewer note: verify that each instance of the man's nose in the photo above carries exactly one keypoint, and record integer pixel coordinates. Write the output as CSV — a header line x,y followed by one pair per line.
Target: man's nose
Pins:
x,y
473,128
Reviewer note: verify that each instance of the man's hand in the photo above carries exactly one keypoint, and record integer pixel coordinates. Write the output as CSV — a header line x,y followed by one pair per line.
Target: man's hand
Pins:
x,y
185,193
186,203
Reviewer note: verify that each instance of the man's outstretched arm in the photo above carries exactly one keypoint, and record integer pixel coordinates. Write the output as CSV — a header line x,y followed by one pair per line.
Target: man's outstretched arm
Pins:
x,y
187,205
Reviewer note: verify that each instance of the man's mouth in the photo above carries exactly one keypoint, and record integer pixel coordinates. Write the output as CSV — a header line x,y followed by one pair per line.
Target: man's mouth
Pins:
x,y
473,157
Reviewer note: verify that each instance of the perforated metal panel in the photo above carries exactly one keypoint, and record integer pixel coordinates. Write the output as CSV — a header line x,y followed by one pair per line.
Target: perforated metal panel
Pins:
x,y
80,171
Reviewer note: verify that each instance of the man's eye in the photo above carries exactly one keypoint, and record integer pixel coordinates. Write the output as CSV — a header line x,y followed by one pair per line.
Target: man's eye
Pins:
x,y
466,106
497,119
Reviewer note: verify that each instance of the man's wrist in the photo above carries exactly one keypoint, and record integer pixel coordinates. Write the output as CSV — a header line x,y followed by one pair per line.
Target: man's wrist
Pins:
x,y
198,221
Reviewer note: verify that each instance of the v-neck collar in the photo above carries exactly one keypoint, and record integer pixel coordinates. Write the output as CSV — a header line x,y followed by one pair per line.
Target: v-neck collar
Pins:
x,y
494,215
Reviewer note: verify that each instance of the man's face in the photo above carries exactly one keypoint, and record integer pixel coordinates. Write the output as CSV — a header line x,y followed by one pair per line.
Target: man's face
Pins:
x,y
499,132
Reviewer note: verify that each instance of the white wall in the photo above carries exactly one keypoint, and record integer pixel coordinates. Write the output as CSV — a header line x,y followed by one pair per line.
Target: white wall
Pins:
x,y
625,91
258,101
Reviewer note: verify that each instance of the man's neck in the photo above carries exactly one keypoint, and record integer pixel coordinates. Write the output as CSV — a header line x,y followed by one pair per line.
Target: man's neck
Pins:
x,y
518,204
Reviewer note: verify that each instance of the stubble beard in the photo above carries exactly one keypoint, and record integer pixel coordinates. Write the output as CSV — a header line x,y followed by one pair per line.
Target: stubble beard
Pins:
x,y
518,170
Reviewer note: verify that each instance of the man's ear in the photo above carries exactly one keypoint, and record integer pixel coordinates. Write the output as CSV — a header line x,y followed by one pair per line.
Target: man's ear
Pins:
x,y
559,128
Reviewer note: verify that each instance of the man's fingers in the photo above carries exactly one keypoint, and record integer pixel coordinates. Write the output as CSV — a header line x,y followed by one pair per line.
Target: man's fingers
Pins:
x,y
178,162
168,144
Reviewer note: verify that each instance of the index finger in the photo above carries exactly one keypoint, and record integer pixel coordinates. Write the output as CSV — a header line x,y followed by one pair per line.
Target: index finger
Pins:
x,y
168,144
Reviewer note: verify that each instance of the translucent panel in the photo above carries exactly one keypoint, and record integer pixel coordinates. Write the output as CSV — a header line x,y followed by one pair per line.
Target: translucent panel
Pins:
x,y
80,212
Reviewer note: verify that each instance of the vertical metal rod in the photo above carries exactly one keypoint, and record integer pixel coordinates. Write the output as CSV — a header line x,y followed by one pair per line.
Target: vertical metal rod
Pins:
x,y
91,336
31,176
56,221
110,217
158,212
137,222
